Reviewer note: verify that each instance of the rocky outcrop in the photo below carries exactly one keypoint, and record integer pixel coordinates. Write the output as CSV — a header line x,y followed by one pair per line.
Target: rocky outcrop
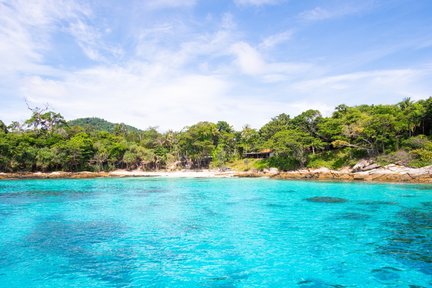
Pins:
x,y
389,173
271,172
365,165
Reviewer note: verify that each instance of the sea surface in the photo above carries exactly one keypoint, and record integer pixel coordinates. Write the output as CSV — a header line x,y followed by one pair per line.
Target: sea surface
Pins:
x,y
164,232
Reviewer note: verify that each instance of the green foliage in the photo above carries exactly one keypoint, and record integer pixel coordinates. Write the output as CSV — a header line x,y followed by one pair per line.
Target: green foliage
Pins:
x,y
420,150
248,164
3,127
399,133
94,124
198,142
422,157
332,159
277,124
291,148
400,157
77,151
249,140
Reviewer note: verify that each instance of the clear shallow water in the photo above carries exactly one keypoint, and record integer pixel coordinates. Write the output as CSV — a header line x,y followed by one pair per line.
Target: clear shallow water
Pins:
x,y
147,232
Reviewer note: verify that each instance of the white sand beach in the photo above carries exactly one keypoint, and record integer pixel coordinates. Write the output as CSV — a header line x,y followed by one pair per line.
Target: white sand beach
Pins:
x,y
206,173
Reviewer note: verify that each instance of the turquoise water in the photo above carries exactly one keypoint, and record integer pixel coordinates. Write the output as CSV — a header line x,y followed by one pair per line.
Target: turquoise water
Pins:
x,y
148,232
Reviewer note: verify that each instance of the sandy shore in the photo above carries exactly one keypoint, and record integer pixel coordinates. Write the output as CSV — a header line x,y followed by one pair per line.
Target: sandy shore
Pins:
x,y
173,174
120,173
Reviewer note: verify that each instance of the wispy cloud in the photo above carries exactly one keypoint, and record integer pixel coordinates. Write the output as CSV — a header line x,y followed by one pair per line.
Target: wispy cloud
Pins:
x,y
151,96
256,2
90,41
248,59
347,8
161,4
26,28
276,39
376,86
316,14
188,49
172,70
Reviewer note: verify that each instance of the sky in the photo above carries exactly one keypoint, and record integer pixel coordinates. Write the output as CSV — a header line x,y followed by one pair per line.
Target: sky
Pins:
x,y
172,63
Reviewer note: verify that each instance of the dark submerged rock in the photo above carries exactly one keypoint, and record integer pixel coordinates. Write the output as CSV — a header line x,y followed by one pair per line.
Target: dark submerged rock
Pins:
x,y
354,216
326,199
386,273
376,202
410,239
318,283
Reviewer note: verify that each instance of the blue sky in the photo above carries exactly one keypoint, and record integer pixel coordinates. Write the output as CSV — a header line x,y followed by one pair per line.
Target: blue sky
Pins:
x,y
170,63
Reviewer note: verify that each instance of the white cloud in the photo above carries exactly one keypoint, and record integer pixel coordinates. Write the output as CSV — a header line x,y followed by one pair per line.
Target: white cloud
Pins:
x,y
30,26
140,94
160,4
347,8
178,73
90,41
316,14
187,49
276,39
248,59
25,31
144,96
256,2
381,86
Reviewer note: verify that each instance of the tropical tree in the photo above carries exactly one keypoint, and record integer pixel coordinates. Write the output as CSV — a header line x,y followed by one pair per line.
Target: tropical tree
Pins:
x,y
279,123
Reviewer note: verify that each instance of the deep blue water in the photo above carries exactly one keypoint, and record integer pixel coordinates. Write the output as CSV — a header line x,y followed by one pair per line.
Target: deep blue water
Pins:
x,y
149,232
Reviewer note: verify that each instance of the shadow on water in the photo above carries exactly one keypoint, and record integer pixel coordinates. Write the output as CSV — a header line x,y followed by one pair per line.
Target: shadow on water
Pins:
x,y
410,239
75,239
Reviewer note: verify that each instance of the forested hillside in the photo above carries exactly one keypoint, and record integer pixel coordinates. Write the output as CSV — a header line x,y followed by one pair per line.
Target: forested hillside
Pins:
x,y
399,133
93,124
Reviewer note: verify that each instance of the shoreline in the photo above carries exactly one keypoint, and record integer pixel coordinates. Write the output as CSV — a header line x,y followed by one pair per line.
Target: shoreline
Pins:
x,y
388,174
118,174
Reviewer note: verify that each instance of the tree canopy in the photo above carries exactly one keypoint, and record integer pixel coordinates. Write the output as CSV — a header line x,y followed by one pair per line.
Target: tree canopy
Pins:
x,y
399,133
